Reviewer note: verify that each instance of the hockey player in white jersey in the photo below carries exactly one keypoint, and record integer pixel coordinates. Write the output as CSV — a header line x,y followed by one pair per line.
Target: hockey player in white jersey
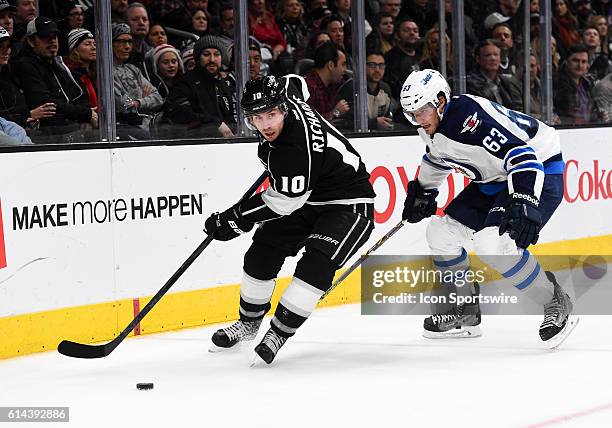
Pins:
x,y
516,168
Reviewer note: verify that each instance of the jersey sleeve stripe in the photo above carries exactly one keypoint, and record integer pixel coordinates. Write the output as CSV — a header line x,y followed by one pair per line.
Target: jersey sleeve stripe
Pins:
x,y
435,164
517,151
347,157
527,166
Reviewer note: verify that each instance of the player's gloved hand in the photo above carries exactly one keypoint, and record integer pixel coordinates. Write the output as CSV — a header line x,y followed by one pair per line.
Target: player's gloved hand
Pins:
x,y
420,203
522,220
227,225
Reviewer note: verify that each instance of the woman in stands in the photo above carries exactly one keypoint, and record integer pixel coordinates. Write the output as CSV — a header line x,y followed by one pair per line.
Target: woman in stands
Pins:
x,y
81,61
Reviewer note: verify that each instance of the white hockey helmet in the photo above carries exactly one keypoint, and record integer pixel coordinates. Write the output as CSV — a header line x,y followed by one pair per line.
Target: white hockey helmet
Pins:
x,y
420,88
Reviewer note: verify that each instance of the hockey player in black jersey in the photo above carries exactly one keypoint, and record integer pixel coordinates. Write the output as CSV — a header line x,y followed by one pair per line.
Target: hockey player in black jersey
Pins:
x,y
320,199
516,167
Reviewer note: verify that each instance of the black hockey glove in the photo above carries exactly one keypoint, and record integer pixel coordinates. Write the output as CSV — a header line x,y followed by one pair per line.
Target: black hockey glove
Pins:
x,y
419,203
227,225
522,220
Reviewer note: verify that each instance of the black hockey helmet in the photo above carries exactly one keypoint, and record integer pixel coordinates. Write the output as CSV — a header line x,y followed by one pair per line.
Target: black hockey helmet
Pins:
x,y
262,94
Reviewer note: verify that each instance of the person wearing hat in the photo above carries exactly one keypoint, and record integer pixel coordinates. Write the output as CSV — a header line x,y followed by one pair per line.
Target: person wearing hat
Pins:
x,y
201,101
74,18
81,61
255,64
166,67
187,57
136,99
6,16
46,79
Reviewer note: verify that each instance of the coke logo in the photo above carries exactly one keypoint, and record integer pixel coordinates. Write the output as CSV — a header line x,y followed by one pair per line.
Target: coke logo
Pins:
x,y
586,184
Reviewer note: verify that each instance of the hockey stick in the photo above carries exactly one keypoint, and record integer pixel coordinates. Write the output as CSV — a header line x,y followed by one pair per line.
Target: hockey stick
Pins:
x,y
361,259
81,350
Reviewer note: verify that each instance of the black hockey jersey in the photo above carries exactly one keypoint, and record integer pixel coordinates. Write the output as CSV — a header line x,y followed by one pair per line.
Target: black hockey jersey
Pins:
x,y
310,162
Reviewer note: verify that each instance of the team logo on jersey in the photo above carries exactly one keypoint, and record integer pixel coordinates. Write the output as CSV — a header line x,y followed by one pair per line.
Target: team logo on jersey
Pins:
x,y
471,123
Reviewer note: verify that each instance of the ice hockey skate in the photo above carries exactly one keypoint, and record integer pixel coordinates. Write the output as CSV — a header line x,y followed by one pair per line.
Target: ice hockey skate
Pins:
x,y
460,321
240,331
268,347
558,321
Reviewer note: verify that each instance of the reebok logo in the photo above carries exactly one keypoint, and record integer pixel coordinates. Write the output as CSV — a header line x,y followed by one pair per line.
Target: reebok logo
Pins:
x,y
528,198
2,247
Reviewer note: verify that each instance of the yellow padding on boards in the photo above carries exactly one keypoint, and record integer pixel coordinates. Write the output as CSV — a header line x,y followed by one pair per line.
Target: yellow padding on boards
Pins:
x,y
42,331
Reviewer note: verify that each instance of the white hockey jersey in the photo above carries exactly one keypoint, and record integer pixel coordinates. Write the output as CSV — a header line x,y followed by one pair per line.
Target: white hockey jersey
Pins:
x,y
491,145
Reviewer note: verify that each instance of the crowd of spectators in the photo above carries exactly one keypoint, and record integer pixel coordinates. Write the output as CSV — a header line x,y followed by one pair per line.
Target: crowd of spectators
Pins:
x,y
173,61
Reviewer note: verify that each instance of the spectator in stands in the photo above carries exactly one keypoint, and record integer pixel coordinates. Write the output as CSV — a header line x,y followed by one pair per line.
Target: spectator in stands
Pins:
x,y
290,19
600,22
157,35
200,100
431,52
46,80
421,13
535,103
342,9
404,58
572,92
167,68
488,81
556,57
263,26
584,12
599,64
323,80
24,13
316,16
225,31
187,57
181,18
255,63
503,34
119,11
136,99
392,7
160,9
380,103
11,134
334,26
81,61
306,62
138,20
13,106
75,19
316,4
381,37
200,23
565,24
602,97
6,16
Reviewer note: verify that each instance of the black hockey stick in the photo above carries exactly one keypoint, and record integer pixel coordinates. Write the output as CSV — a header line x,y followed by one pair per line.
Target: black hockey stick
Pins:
x,y
361,259
82,350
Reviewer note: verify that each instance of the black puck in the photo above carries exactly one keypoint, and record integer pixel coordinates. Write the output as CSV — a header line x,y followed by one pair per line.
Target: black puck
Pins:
x,y
144,386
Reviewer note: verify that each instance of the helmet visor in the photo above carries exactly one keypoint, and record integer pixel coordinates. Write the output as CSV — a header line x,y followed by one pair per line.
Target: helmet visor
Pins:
x,y
412,116
260,119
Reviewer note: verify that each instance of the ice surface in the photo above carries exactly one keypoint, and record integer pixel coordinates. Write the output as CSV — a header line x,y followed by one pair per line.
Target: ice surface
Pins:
x,y
341,369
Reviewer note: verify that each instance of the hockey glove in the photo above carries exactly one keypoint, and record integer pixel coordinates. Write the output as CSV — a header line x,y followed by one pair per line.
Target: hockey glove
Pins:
x,y
522,220
420,203
227,225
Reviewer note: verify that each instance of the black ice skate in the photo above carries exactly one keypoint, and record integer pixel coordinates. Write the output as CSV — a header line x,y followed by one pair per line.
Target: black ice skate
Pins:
x,y
269,346
460,321
240,331
558,319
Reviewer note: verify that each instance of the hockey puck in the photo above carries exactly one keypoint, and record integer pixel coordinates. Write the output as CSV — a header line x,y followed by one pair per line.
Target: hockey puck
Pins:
x,y
144,386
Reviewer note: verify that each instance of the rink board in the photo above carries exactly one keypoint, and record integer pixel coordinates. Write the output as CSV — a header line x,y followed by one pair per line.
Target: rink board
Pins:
x,y
86,234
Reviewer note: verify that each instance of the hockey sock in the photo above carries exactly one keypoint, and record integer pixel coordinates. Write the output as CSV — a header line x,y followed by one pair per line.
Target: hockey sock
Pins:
x,y
452,269
295,306
526,274
255,295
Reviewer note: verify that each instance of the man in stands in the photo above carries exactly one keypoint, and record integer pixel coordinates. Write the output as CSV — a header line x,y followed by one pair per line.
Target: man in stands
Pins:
x,y
201,100
45,79
322,81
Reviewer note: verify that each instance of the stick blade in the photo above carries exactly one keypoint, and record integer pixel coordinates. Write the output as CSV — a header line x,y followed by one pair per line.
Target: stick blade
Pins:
x,y
80,350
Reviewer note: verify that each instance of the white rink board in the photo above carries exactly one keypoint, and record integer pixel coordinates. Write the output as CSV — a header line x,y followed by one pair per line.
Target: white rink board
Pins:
x,y
78,264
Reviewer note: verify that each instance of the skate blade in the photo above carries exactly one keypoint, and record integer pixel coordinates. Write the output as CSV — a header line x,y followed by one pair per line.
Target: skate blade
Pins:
x,y
255,360
556,341
457,333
